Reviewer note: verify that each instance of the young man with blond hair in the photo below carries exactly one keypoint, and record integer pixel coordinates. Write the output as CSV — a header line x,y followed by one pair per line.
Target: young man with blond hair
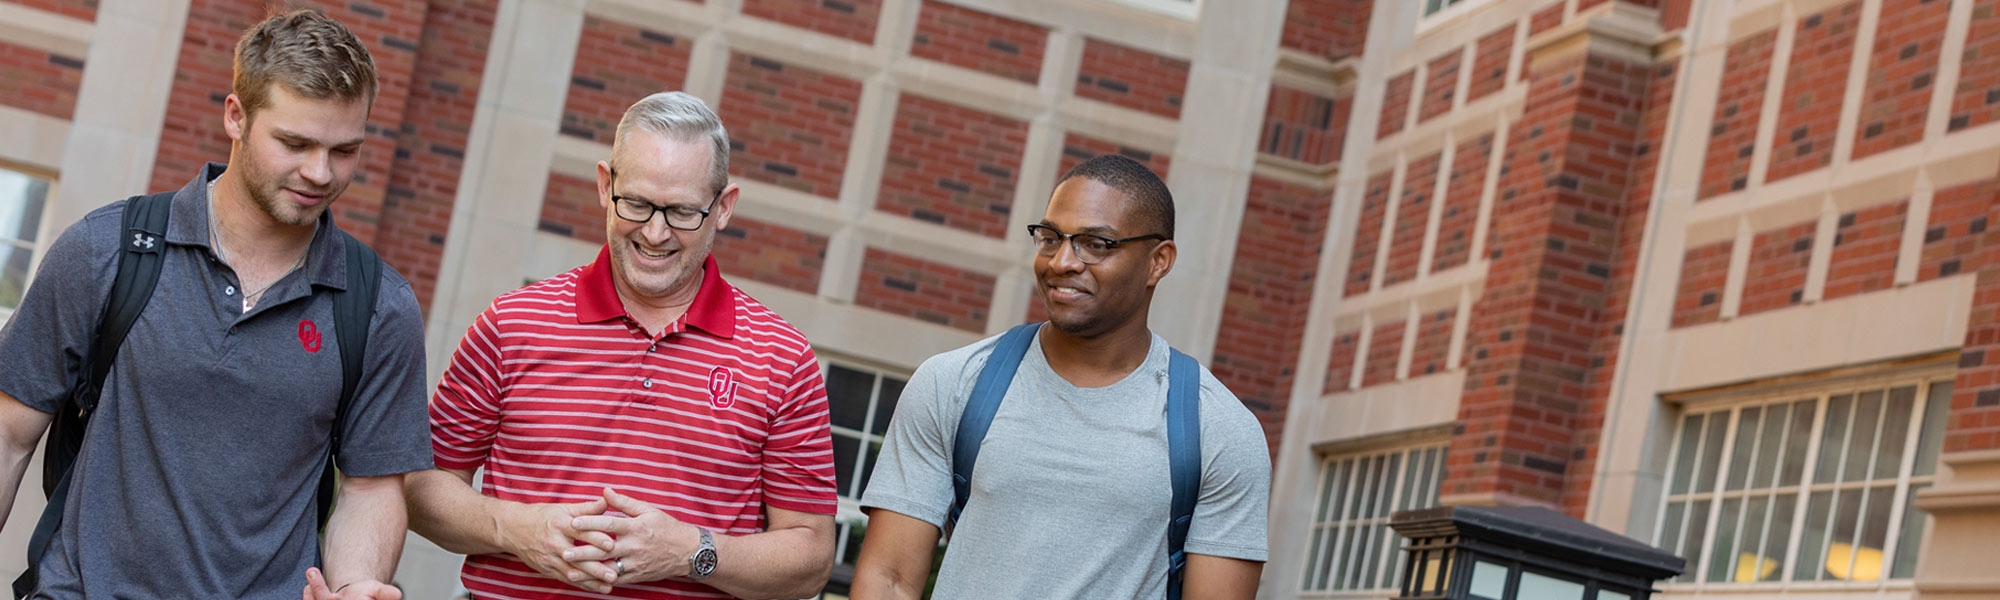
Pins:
x,y
197,475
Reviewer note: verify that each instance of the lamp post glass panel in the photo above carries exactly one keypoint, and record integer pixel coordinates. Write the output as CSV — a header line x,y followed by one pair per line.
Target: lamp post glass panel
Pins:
x,y
1522,553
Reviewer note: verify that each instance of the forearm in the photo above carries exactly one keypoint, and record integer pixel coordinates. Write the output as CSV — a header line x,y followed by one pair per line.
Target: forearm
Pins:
x,y
445,509
20,432
364,536
873,582
15,461
782,563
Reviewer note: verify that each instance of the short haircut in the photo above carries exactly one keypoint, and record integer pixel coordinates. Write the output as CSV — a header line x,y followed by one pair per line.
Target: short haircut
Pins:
x,y
309,53
1152,204
681,117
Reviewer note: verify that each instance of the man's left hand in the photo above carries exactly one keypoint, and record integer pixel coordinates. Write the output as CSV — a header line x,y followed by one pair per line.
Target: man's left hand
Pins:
x,y
648,544
360,590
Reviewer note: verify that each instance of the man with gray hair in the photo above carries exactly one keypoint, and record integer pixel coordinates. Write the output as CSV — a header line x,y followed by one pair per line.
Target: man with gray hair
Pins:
x,y
646,429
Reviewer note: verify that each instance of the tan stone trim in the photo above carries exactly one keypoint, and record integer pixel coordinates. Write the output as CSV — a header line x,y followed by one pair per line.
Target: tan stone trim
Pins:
x,y
1857,84
1444,285
1390,440
1489,114
1925,365
1821,258
1360,413
1867,329
1752,19
1296,172
1124,25
1491,499
1427,249
1314,74
1961,157
32,139
1774,91
1739,267
46,31
1413,318
1624,31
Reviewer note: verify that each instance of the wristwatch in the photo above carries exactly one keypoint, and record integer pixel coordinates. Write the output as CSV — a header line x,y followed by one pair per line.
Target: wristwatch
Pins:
x,y
701,563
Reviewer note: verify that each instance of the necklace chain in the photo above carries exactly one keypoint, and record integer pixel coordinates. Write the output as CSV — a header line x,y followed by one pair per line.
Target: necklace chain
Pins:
x,y
250,297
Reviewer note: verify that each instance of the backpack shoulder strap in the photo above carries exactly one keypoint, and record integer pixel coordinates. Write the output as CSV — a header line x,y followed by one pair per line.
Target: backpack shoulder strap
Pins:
x,y
142,243
353,308
991,387
1184,454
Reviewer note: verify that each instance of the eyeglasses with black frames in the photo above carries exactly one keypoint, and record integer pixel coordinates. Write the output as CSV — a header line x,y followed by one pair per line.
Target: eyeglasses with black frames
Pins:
x,y
684,218
1089,247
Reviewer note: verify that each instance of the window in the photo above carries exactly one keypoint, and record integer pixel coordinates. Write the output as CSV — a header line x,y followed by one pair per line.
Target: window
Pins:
x,y
1806,487
1181,8
861,401
1432,7
1352,546
21,199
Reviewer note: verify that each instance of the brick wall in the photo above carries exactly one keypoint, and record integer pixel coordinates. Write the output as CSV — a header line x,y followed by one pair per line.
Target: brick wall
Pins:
x,y
1333,29
1413,214
1270,294
1078,148
780,256
1960,216
1395,104
1433,344
851,19
1132,78
1704,272
1898,97
789,125
616,65
1340,365
1440,83
1367,234
1461,203
40,81
193,134
430,150
1778,263
908,286
570,209
1975,403
81,9
1385,347
1489,63
1977,99
1732,133
1864,250
1815,85
1304,126
952,165
1534,334
1545,19
979,41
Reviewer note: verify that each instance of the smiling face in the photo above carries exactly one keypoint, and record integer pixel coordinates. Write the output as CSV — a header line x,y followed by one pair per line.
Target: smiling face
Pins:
x,y
1113,295
295,154
652,261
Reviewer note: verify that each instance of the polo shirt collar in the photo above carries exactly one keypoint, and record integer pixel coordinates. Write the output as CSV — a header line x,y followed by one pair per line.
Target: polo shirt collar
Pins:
x,y
713,310
187,225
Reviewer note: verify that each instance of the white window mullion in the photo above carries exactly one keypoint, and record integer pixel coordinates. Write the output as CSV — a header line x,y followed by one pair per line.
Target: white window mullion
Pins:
x,y
1805,487
1721,483
1893,539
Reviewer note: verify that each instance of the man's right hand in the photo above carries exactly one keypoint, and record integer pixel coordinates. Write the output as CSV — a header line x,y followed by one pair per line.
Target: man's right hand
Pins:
x,y
537,534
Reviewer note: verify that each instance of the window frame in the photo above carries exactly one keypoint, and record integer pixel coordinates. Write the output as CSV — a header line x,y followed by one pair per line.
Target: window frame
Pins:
x,y
1185,9
848,516
1328,526
51,185
1820,390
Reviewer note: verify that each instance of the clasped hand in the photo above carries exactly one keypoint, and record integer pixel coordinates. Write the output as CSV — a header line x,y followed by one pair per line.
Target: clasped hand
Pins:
x,y
587,546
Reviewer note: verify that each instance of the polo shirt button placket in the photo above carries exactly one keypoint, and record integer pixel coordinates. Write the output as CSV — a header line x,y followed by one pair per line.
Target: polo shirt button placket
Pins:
x,y
646,383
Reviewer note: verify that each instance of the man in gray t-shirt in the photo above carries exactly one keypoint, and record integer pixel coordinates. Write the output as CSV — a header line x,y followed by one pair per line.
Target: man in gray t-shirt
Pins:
x,y
1070,498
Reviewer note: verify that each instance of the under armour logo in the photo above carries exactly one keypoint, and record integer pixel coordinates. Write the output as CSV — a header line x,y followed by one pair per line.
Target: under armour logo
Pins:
x,y
140,240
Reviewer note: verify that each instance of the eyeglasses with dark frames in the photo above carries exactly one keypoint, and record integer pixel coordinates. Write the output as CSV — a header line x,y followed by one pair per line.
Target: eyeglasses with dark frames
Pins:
x,y
684,218
1089,247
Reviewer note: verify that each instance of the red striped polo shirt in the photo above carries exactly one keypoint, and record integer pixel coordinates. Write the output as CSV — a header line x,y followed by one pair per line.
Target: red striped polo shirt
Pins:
x,y
558,394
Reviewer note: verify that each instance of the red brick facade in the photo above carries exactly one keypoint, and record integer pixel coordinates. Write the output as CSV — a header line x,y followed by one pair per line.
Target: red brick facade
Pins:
x,y
791,124
1333,29
1367,234
1078,148
1270,293
912,287
1704,272
1433,344
1384,349
1303,126
1977,99
616,65
851,19
40,81
1815,84
1461,203
570,209
979,41
1132,78
1340,365
1864,250
1395,105
1440,84
1545,19
772,254
1778,263
1489,64
81,9
1732,134
952,165
1959,218
1900,72
1413,213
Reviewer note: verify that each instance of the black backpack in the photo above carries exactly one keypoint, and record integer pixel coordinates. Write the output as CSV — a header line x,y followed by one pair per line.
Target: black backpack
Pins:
x,y
145,227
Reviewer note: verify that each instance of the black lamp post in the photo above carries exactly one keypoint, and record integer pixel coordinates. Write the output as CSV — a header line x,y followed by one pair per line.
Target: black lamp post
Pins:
x,y
1522,553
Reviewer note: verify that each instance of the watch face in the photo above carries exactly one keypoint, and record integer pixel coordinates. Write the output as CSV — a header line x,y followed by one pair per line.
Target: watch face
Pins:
x,y
704,562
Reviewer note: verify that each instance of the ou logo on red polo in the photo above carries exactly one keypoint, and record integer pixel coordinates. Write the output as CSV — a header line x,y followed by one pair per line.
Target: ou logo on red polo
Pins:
x,y
309,335
721,387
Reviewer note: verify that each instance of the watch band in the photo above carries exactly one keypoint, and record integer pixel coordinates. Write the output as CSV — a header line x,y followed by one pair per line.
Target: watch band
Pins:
x,y
701,562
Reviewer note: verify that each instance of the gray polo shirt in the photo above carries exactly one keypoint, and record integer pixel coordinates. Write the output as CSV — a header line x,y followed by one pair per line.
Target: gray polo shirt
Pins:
x,y
198,473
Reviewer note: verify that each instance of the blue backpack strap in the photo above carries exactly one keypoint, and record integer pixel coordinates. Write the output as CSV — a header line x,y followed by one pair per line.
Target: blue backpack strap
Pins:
x,y
994,379
1184,454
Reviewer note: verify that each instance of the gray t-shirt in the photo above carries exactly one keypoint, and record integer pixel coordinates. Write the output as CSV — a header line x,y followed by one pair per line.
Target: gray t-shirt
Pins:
x,y
198,473
1070,496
